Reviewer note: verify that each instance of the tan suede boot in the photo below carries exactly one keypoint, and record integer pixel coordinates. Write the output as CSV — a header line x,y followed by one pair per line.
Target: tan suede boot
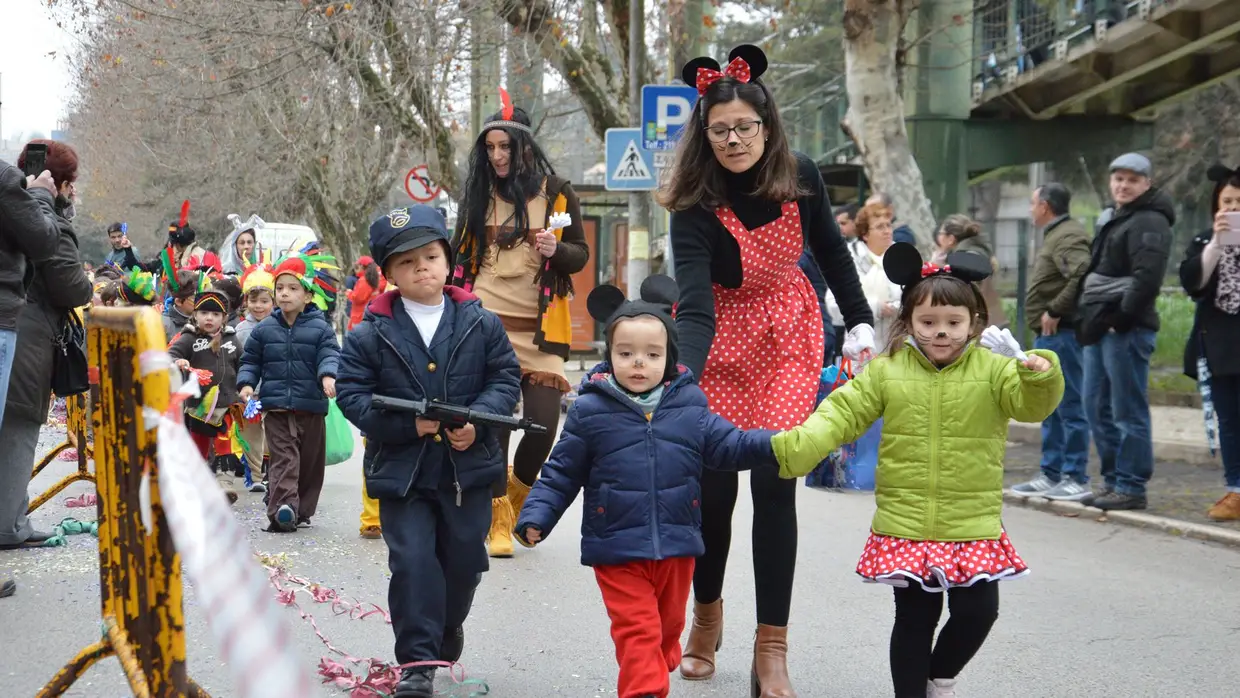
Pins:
x,y
1226,509
517,492
499,541
705,638
769,678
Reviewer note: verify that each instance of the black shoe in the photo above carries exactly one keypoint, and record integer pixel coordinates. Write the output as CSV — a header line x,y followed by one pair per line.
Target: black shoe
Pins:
x,y
453,644
36,540
303,523
416,682
1088,500
8,587
1118,501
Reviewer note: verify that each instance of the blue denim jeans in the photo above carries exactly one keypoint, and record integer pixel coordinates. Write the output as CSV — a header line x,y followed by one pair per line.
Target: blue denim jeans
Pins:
x,y
1065,434
8,347
1226,393
1117,375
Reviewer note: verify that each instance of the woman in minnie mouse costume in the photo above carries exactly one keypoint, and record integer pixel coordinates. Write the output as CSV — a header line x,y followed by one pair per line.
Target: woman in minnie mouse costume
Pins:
x,y
946,400
744,208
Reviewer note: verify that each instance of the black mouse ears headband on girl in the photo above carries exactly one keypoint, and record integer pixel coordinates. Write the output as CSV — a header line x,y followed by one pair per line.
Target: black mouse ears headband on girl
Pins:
x,y
659,295
905,267
505,119
745,63
1219,173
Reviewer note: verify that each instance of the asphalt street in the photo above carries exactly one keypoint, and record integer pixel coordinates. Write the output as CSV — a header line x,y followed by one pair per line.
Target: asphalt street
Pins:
x,y
1107,611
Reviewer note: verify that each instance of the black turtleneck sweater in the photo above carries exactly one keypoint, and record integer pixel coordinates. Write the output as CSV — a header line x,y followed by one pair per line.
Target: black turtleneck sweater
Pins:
x,y
705,252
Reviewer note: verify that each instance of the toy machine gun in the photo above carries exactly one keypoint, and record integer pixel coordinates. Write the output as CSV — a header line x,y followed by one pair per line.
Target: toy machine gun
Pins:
x,y
454,416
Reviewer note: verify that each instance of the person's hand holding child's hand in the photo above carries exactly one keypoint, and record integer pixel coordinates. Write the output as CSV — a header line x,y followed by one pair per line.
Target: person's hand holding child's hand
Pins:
x,y
532,535
246,393
1037,364
329,386
462,438
427,427
182,364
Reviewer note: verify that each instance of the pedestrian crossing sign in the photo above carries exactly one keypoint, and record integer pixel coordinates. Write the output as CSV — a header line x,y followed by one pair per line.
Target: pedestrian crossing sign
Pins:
x,y
629,167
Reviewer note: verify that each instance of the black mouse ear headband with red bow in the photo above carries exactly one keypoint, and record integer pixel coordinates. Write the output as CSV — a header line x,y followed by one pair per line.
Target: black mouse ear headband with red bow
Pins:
x,y
905,267
746,63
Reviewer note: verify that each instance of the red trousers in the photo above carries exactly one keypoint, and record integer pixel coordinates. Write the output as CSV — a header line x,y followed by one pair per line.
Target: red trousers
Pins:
x,y
646,602
203,442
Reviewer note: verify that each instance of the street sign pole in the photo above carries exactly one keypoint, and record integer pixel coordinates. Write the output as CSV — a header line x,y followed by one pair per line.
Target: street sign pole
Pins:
x,y
639,202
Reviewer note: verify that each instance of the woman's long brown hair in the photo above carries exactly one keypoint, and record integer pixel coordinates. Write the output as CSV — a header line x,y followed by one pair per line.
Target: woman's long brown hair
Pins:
x,y
696,177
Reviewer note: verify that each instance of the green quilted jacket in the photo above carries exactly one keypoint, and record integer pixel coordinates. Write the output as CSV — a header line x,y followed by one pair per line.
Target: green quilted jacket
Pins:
x,y
940,461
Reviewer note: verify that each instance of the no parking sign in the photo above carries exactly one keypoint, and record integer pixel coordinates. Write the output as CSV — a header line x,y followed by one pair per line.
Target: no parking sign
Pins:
x,y
418,185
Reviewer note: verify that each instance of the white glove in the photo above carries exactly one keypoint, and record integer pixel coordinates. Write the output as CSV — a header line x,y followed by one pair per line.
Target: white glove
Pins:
x,y
859,344
1002,343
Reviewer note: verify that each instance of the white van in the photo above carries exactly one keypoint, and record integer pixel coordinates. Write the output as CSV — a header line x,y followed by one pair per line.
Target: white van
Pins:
x,y
280,238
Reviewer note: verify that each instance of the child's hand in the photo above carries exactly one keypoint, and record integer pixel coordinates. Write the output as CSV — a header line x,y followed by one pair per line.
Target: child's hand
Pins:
x,y
329,386
246,393
182,364
463,437
427,427
533,535
1037,363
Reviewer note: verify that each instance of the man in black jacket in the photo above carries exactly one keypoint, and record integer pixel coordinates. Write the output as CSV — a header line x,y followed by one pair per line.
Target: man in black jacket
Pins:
x,y
1118,326
28,235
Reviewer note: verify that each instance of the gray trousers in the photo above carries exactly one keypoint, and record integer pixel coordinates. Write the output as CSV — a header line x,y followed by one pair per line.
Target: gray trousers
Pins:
x,y
20,439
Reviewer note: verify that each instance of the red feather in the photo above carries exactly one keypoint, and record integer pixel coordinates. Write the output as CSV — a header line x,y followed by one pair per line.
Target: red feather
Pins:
x,y
506,102
184,214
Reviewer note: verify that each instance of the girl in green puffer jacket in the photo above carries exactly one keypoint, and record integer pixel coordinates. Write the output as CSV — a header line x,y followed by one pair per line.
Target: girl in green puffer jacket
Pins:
x,y
946,402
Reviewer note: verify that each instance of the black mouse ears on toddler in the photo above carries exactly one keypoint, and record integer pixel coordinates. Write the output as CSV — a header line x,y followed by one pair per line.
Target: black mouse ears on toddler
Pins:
x,y
905,267
659,295
745,63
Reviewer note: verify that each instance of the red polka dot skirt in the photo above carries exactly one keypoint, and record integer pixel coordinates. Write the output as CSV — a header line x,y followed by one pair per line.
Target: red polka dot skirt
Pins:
x,y
766,357
939,566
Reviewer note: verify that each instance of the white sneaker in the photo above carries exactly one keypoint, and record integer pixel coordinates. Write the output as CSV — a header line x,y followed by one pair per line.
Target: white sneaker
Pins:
x,y
941,688
1035,488
1068,490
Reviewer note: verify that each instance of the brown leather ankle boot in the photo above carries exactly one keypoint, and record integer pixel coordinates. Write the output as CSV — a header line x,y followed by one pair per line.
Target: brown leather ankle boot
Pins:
x,y
769,678
705,638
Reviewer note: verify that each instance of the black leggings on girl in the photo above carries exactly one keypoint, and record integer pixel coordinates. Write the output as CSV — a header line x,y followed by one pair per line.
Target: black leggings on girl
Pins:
x,y
540,403
973,611
774,540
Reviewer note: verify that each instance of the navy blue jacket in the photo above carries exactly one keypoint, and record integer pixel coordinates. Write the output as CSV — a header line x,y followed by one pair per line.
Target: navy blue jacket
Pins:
x,y
470,362
903,233
291,362
641,476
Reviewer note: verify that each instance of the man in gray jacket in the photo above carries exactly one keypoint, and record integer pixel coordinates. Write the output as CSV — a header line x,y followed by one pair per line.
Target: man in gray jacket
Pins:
x,y
28,235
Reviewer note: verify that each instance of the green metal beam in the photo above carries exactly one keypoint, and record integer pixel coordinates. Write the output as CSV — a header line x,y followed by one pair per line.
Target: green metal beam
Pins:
x,y
992,144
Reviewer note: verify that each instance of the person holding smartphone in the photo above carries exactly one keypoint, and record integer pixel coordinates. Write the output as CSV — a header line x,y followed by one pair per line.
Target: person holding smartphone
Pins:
x,y
1210,273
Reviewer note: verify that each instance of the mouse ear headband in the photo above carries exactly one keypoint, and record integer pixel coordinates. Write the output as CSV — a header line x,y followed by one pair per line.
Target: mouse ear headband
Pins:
x,y
745,64
659,295
905,267
1219,173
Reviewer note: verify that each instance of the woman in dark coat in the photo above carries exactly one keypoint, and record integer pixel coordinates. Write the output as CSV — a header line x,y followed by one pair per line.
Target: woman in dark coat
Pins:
x,y
60,285
744,208
1210,274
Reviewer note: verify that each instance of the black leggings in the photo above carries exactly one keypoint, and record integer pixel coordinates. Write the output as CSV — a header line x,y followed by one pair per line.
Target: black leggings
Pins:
x,y
913,662
774,540
541,404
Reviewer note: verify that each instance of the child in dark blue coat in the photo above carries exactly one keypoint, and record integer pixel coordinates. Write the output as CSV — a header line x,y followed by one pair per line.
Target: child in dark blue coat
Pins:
x,y
636,440
293,353
428,341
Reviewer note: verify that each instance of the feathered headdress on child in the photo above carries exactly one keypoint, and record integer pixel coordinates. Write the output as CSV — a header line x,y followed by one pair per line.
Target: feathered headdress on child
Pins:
x,y
312,270
505,113
257,276
139,287
178,233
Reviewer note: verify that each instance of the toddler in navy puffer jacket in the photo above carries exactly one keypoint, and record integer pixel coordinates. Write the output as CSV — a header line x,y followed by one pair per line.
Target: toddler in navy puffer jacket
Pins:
x,y
636,440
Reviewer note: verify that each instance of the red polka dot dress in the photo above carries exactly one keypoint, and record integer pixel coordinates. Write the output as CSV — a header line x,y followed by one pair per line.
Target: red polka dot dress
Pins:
x,y
938,566
766,357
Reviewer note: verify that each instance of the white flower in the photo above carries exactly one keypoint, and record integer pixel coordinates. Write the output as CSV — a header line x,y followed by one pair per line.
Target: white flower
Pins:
x,y
560,220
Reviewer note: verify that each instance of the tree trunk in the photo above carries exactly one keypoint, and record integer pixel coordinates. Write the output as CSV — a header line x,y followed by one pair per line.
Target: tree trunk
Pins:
x,y
875,119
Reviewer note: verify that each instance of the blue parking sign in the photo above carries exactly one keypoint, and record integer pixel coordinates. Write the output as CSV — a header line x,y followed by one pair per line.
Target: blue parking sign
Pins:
x,y
666,109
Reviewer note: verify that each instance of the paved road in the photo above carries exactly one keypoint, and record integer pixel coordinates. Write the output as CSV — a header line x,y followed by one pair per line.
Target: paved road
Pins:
x,y
1108,611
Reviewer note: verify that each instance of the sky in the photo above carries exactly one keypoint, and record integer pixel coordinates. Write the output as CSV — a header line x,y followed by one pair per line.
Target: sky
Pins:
x,y
34,86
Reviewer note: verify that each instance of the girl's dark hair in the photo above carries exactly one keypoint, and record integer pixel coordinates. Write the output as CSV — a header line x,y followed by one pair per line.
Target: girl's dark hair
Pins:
x,y
941,289
371,273
254,292
960,227
188,282
527,169
697,178
107,271
230,287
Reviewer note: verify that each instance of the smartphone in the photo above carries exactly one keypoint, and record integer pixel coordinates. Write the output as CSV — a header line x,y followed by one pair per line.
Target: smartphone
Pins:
x,y
1231,238
36,159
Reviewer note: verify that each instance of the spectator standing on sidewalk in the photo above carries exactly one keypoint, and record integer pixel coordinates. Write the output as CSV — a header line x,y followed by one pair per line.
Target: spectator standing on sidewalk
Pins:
x,y
123,254
1118,327
900,231
1211,275
1050,311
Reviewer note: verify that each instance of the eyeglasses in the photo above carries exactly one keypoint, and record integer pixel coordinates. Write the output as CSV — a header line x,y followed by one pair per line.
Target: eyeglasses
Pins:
x,y
744,130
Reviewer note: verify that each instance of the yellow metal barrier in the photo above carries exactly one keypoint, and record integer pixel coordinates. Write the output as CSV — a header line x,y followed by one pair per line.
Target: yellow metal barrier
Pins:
x,y
139,568
77,419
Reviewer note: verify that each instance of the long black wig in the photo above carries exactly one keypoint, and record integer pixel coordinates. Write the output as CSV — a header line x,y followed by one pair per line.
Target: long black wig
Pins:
x,y
527,169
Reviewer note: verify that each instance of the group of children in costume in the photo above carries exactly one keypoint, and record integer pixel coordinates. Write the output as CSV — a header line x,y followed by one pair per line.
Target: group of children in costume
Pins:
x,y
640,433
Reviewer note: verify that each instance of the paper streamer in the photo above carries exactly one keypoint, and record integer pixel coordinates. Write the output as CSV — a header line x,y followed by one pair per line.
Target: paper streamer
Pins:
x,y
251,633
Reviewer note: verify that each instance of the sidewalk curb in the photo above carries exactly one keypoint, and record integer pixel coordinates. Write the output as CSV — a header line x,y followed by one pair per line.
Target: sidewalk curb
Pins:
x,y
1186,529
1194,454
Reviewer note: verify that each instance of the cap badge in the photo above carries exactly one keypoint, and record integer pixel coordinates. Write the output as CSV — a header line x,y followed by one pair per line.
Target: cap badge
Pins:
x,y
399,218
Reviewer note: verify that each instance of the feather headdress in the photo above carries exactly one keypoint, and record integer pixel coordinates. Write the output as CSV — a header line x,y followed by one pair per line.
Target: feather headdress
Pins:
x,y
258,276
312,270
139,287
505,114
